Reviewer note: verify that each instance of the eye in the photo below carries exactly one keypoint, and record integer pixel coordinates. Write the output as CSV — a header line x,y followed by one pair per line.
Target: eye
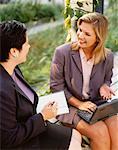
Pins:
x,y
87,34
80,30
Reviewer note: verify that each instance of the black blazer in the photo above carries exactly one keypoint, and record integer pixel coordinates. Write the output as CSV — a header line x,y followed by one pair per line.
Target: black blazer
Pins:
x,y
20,127
19,122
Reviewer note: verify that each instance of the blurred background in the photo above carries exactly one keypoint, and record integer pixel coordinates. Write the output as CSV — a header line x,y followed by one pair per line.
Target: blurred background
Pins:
x,y
37,14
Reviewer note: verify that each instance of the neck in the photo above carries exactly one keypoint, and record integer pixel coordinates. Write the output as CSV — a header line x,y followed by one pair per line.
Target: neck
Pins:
x,y
9,67
88,53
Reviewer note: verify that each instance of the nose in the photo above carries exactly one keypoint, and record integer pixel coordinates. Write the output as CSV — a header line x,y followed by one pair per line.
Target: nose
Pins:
x,y
80,34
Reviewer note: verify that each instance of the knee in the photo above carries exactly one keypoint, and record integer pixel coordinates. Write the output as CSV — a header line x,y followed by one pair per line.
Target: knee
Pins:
x,y
100,132
95,131
112,122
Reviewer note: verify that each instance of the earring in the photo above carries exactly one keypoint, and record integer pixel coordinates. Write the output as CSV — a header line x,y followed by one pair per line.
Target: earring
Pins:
x,y
16,56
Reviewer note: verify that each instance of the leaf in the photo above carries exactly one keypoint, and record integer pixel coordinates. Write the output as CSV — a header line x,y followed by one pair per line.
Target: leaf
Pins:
x,y
67,22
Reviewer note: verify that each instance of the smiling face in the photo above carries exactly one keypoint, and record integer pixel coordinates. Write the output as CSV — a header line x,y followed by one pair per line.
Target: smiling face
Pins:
x,y
86,36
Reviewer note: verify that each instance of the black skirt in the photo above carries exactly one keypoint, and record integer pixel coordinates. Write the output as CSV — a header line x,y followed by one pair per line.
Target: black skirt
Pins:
x,y
56,137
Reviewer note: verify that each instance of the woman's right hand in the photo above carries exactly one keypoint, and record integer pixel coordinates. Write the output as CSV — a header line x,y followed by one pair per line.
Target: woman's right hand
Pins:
x,y
88,106
49,111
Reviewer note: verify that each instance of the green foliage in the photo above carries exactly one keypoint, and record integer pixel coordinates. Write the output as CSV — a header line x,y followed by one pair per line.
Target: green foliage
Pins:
x,y
111,12
17,11
37,68
48,11
96,3
68,11
71,16
112,40
29,12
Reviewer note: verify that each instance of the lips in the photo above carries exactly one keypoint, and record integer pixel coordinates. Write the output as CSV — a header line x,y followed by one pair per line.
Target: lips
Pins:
x,y
82,42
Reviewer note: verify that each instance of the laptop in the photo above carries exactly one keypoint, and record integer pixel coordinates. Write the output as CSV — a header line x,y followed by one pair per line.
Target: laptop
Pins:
x,y
103,111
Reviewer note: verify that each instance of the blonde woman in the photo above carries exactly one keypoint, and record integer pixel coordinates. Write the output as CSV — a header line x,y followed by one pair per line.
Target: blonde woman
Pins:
x,y
83,69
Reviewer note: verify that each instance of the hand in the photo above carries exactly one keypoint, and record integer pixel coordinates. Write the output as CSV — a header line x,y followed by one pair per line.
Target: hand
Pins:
x,y
88,106
106,92
49,111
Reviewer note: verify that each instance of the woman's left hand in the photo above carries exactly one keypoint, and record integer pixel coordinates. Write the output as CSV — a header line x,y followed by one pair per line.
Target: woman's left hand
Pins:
x,y
106,92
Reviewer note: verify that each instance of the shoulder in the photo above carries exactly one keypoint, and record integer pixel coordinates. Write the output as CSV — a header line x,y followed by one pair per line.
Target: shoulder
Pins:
x,y
62,53
6,82
110,55
109,52
64,48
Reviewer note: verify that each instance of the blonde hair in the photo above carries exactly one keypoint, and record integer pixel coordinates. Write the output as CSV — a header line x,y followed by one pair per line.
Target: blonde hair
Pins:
x,y
100,26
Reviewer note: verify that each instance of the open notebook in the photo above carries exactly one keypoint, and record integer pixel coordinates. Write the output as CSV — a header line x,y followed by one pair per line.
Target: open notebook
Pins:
x,y
58,97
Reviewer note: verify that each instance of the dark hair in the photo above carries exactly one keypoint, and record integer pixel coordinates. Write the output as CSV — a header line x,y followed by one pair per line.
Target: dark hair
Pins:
x,y
12,35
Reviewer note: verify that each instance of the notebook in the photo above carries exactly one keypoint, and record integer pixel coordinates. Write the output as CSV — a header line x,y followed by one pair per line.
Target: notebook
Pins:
x,y
107,109
58,97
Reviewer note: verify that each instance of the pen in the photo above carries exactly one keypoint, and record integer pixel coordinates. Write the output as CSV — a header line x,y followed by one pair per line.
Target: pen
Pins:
x,y
52,103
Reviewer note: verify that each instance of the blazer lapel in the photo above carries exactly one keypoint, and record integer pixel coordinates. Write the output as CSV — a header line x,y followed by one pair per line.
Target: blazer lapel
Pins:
x,y
18,73
76,58
11,81
20,91
94,70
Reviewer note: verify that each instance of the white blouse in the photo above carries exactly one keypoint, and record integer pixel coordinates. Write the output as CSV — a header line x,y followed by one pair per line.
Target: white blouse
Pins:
x,y
87,66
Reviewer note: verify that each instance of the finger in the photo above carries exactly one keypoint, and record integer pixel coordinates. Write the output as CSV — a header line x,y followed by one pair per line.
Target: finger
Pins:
x,y
51,103
55,104
55,109
91,105
55,112
89,102
87,109
47,105
112,92
110,96
107,97
104,97
92,109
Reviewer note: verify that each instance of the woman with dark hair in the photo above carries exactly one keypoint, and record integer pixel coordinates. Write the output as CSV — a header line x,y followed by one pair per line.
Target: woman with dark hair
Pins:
x,y
20,126
83,69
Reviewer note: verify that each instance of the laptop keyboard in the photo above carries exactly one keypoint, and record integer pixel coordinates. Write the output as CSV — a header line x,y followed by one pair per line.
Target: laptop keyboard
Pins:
x,y
85,114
